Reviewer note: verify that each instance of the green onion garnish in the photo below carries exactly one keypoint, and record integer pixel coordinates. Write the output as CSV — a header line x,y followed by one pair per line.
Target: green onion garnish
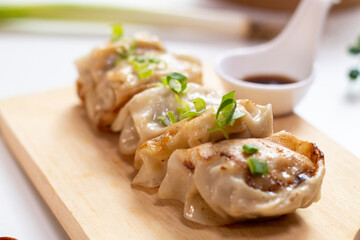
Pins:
x,y
139,65
127,50
141,62
172,117
164,120
250,148
183,105
167,121
217,128
122,53
154,60
236,115
200,106
164,81
177,82
226,114
257,167
354,50
182,108
190,114
354,74
144,73
117,32
139,59
132,46
230,95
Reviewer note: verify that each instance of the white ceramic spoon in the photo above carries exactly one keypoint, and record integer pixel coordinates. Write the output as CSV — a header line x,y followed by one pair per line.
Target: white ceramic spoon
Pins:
x,y
290,54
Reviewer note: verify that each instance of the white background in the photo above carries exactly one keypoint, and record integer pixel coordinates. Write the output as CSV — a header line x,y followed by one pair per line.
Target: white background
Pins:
x,y
37,62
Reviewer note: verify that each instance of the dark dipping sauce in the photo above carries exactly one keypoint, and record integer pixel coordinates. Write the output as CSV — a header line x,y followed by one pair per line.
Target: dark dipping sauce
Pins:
x,y
269,79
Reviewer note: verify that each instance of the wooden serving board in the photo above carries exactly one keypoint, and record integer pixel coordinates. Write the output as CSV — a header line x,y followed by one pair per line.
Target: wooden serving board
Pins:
x,y
86,182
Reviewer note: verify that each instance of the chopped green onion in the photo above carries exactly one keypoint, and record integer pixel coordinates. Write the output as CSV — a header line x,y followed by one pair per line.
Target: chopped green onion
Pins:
x,y
145,60
187,89
139,65
199,104
250,148
182,108
236,115
175,85
122,52
144,73
213,111
230,95
172,117
200,107
154,60
164,120
183,105
132,47
117,32
217,128
164,81
354,50
354,74
190,114
177,82
226,113
127,50
257,167
178,99
140,59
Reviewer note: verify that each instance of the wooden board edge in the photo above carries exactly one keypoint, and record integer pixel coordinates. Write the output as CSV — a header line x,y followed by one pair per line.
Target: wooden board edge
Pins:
x,y
41,183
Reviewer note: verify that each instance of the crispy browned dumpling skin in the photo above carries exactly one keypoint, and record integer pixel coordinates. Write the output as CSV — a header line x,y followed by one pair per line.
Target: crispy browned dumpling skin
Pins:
x,y
138,122
107,80
215,183
151,157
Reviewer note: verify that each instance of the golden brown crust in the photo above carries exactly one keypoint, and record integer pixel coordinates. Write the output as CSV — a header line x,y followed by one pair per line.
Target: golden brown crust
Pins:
x,y
306,148
296,160
215,183
107,80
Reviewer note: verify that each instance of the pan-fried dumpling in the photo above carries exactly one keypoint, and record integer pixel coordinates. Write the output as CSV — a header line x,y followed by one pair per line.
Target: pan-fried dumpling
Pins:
x,y
138,119
217,187
110,75
151,157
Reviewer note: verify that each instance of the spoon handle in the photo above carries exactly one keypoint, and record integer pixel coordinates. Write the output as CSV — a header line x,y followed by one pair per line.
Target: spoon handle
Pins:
x,y
301,35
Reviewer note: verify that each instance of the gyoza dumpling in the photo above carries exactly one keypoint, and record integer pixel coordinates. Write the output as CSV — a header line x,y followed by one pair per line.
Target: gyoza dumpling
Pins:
x,y
138,119
152,156
217,187
110,75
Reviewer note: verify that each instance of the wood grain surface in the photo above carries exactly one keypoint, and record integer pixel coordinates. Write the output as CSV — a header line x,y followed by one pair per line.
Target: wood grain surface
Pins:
x,y
86,182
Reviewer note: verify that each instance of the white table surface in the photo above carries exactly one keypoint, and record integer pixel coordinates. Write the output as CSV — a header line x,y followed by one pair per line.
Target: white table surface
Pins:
x,y
37,62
